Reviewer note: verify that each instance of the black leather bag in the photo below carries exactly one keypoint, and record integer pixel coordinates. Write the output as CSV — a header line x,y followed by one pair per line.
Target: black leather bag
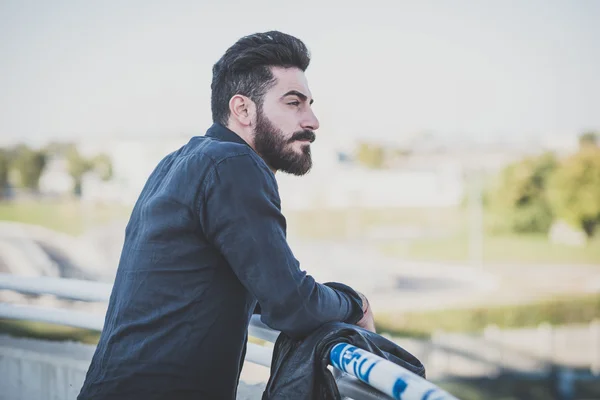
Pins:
x,y
299,367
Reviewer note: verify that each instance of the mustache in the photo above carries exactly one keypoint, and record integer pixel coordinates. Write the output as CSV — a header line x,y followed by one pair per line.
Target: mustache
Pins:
x,y
303,135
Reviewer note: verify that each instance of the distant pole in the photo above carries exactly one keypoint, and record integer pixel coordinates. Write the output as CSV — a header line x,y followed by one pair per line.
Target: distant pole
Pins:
x,y
475,218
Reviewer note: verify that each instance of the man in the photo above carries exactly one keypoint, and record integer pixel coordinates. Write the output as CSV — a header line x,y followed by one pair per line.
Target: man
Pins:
x,y
206,243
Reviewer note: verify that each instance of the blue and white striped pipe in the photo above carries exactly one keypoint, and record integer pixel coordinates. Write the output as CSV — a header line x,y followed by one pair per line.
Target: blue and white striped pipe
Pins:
x,y
384,375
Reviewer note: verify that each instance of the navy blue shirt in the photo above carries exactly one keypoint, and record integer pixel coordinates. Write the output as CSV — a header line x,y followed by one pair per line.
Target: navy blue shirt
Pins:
x,y
205,242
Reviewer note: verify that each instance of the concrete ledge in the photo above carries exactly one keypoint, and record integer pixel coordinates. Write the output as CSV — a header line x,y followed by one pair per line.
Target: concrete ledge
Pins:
x,y
33,369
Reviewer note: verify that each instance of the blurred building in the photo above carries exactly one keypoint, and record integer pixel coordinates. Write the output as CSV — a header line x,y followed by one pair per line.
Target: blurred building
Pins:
x,y
338,182
431,173
56,180
133,160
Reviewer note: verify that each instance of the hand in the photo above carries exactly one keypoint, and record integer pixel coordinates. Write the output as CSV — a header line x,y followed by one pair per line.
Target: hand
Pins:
x,y
367,322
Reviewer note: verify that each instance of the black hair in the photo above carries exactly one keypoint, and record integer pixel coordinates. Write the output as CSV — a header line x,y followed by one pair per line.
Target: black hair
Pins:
x,y
245,68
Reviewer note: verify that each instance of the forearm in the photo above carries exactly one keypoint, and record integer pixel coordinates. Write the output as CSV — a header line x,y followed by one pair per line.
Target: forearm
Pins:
x,y
311,306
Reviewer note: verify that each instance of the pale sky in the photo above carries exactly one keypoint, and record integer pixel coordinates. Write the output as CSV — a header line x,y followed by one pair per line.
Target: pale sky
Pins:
x,y
484,69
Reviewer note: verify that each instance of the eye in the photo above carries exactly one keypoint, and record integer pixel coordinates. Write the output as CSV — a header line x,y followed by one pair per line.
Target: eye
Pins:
x,y
294,103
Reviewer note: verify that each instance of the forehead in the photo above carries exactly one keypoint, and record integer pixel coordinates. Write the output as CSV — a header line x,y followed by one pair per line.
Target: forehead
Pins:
x,y
289,79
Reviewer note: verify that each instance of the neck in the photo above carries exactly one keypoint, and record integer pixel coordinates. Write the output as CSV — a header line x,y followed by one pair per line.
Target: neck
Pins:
x,y
243,133
248,138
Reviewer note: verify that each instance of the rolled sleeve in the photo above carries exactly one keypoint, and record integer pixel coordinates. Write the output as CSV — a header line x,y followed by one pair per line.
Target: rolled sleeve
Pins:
x,y
241,215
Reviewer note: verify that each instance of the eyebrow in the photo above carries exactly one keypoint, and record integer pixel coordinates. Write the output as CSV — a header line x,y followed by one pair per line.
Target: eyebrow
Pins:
x,y
302,96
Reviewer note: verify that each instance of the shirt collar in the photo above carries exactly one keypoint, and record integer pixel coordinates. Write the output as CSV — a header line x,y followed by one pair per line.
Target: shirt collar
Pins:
x,y
219,132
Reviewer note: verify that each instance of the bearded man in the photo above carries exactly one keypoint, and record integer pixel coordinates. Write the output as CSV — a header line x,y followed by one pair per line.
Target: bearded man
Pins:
x,y
206,246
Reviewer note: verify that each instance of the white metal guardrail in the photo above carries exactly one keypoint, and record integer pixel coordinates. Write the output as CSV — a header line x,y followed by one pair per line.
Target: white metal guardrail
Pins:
x,y
382,379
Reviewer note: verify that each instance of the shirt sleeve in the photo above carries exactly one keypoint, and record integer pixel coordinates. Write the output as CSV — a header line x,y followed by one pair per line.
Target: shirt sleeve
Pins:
x,y
241,215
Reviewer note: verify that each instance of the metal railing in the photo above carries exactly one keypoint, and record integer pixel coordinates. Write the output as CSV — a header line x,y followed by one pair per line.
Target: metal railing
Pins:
x,y
359,374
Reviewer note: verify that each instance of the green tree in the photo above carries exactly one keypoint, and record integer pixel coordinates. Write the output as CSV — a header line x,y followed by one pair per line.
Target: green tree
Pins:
x,y
588,139
78,166
58,149
102,166
4,167
30,165
574,189
519,198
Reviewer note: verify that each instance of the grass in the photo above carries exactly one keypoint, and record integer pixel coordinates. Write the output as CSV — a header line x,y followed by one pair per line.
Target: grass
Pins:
x,y
515,388
557,311
45,331
496,248
498,389
71,217
74,218
451,244
339,223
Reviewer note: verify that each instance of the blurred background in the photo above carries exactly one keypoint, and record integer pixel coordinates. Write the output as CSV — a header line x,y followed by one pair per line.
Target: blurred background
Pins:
x,y
456,176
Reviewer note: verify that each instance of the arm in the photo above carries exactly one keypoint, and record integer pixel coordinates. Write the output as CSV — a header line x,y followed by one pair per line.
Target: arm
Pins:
x,y
241,216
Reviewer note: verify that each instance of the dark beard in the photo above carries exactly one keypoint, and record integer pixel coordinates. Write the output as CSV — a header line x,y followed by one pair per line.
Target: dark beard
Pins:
x,y
273,147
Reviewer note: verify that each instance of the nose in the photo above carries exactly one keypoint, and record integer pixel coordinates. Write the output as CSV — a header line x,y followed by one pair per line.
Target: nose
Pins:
x,y
310,122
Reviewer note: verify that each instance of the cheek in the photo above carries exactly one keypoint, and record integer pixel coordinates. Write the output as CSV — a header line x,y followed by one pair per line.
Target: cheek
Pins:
x,y
285,119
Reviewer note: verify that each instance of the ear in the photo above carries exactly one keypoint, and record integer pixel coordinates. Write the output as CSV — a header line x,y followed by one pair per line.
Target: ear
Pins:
x,y
242,109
